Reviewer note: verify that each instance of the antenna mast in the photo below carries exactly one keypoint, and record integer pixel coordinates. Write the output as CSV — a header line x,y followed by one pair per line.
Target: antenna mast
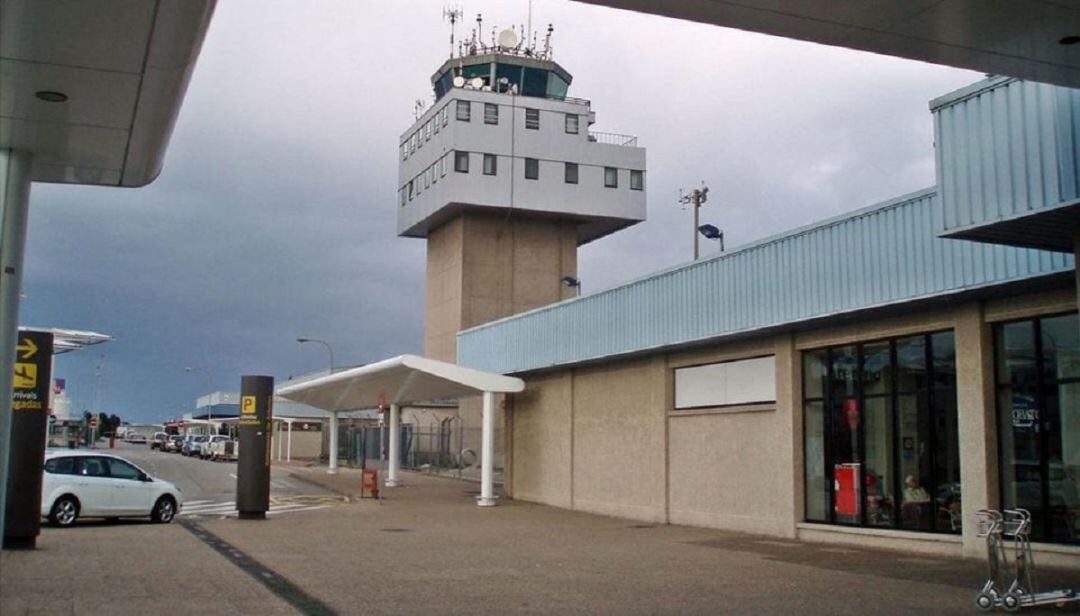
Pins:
x,y
695,198
453,14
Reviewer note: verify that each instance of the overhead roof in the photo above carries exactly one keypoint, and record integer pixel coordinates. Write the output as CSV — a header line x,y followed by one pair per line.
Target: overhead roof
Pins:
x,y
401,380
885,257
1005,37
66,340
123,65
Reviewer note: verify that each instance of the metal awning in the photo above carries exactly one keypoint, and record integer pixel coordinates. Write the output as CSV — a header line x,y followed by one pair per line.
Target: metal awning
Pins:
x,y
407,379
404,379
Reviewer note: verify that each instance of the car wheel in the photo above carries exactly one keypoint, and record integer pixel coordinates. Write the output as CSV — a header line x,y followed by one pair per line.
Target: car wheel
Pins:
x,y
164,510
64,511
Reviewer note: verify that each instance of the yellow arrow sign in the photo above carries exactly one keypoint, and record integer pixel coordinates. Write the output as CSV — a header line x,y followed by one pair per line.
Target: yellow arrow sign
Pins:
x,y
27,348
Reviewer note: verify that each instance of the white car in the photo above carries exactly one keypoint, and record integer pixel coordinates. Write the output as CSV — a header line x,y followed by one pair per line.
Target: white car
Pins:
x,y
89,484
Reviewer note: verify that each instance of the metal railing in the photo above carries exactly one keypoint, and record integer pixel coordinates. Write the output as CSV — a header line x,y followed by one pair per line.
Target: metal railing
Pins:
x,y
628,141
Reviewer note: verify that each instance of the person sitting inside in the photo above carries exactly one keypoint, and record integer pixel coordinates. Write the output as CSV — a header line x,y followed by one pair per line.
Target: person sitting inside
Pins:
x,y
915,511
913,492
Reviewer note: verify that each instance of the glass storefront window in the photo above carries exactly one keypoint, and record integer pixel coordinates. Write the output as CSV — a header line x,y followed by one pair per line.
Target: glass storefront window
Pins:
x,y
878,476
1016,353
817,489
877,368
844,367
1060,347
815,372
911,364
1038,404
881,442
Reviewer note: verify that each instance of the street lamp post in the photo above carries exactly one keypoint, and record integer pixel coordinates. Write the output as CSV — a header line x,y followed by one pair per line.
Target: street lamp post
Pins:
x,y
325,344
210,398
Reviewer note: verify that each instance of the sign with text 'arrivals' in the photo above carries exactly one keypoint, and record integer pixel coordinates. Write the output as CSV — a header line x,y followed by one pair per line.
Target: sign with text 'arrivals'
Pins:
x,y
33,361
29,424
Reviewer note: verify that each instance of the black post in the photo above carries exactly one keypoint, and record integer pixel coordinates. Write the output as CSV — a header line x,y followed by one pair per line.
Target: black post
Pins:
x,y
29,426
253,465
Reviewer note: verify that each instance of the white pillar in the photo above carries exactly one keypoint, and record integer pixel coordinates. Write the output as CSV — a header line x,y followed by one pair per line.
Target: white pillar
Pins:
x,y
288,447
14,207
277,437
333,445
487,453
395,447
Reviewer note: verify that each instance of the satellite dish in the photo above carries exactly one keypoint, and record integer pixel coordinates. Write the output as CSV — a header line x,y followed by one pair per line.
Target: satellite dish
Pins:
x,y
459,82
476,82
508,39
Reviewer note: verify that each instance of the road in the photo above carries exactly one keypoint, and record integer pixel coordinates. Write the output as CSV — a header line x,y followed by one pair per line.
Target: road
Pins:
x,y
210,487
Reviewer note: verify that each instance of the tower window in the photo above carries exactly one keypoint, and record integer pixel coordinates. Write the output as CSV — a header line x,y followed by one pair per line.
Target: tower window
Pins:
x,y
491,113
445,114
532,118
442,166
461,162
401,194
572,123
490,164
611,177
410,190
464,111
637,180
404,151
571,173
532,169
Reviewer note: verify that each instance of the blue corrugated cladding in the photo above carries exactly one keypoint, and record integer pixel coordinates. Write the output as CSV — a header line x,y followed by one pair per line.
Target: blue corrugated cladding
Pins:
x,y
1005,148
884,255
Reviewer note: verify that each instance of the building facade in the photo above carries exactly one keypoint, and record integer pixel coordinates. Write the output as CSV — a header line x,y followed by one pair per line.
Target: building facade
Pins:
x,y
867,379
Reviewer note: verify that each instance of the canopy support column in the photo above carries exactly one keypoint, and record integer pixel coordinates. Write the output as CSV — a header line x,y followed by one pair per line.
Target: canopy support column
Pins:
x,y
487,453
14,213
288,447
395,447
333,445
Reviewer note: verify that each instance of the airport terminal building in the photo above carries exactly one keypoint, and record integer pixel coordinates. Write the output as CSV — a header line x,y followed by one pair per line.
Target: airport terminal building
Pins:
x,y
875,378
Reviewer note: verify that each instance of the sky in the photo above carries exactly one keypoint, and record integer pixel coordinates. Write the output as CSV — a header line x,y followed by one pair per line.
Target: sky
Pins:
x,y
274,215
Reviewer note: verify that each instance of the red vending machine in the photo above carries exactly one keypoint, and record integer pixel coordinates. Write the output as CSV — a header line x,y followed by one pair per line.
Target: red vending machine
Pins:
x,y
847,497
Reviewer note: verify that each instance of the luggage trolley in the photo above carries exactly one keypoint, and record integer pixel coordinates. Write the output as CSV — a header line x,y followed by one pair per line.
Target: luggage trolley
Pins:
x,y
998,527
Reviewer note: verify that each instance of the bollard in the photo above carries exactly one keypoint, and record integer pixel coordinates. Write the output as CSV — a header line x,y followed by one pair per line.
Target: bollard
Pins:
x,y
369,483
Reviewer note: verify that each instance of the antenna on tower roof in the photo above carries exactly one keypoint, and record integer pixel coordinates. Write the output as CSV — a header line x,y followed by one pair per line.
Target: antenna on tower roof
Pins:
x,y
453,13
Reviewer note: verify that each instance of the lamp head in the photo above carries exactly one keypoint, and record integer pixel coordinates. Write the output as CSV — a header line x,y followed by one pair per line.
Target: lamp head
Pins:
x,y
710,231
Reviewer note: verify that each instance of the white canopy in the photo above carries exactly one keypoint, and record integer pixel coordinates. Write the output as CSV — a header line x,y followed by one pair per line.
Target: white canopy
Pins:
x,y
399,380
407,379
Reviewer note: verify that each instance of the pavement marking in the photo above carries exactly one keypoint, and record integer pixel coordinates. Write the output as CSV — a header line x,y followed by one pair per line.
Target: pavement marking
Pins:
x,y
274,582
233,475
278,505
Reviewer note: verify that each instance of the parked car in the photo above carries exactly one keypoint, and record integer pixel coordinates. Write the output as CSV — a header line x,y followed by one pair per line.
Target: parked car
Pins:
x,y
174,443
158,440
83,484
193,444
135,438
205,448
227,450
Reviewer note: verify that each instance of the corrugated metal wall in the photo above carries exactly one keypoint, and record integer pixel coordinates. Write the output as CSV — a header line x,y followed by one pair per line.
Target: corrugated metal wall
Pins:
x,y
1005,148
883,255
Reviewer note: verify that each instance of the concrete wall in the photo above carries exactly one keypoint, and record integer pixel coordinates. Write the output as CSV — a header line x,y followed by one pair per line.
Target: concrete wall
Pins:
x,y
732,467
606,439
618,439
481,267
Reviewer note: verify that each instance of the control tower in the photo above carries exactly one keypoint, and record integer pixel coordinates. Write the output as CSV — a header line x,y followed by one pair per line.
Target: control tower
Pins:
x,y
505,179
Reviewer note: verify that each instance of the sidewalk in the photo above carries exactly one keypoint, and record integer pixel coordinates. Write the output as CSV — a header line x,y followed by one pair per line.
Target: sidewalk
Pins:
x,y
427,547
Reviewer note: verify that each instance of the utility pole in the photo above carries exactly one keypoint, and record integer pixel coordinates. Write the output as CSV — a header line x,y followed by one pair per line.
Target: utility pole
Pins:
x,y
695,198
